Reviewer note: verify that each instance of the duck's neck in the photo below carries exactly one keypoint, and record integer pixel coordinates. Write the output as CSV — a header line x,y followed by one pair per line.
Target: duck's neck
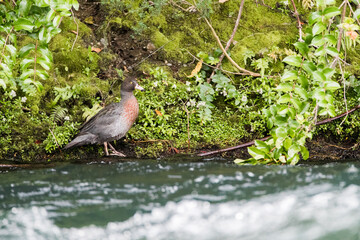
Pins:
x,y
126,95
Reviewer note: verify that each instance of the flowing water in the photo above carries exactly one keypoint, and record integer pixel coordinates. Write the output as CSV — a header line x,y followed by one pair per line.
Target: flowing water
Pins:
x,y
181,200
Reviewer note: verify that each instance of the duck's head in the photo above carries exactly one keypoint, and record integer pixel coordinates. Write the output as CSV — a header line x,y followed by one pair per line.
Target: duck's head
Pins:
x,y
130,84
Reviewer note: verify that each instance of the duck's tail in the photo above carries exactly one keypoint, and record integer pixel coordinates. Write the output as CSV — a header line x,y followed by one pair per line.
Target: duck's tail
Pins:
x,y
80,140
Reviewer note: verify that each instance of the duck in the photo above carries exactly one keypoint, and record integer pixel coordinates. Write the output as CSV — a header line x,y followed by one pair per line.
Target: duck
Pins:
x,y
112,122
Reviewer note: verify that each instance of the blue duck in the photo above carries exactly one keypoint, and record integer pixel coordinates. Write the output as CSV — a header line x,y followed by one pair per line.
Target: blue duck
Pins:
x,y
112,122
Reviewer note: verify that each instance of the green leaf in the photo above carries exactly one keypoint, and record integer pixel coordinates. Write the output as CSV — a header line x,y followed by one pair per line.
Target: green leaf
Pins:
x,y
27,74
293,149
302,47
2,83
356,13
283,110
287,143
23,24
38,85
240,161
284,99
308,66
318,28
289,75
304,152
256,153
11,49
281,132
319,94
75,4
24,7
56,20
45,64
26,49
279,142
319,76
331,110
314,17
301,92
329,72
293,60
285,87
24,64
269,123
262,146
321,51
318,41
50,15
45,53
294,160
280,120
42,74
330,12
297,103
332,51
323,112
331,85
331,39
323,103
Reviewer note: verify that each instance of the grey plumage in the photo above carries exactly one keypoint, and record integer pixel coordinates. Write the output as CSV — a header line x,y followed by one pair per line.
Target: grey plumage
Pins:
x,y
112,122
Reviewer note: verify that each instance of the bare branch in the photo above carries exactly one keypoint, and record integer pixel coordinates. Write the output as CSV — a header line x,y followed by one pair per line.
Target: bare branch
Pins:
x,y
231,38
227,55
77,29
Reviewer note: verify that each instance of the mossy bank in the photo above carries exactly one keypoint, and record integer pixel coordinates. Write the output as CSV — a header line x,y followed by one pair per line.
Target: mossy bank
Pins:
x,y
158,42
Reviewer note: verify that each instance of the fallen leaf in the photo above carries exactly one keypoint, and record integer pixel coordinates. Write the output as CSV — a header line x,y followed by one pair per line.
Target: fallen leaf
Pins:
x,y
158,112
222,1
94,49
89,20
196,69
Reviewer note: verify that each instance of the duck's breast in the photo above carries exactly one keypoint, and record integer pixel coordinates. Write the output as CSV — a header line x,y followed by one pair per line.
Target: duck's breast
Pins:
x,y
131,111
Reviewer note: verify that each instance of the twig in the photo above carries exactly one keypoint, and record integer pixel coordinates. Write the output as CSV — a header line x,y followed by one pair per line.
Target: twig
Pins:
x,y
298,20
346,106
338,47
341,29
228,44
55,139
77,29
35,60
188,124
142,60
223,70
59,22
232,148
227,55
7,37
266,138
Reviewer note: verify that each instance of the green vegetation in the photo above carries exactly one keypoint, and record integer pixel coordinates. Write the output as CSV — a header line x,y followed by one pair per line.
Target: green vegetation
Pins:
x,y
51,80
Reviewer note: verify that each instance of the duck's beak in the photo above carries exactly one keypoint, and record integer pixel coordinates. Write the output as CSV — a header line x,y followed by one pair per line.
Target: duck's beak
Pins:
x,y
138,87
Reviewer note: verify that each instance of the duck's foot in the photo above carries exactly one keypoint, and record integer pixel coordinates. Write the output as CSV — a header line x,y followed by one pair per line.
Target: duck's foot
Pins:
x,y
114,152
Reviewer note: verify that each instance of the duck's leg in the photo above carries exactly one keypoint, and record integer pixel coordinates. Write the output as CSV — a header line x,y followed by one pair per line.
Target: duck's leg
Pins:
x,y
106,149
116,153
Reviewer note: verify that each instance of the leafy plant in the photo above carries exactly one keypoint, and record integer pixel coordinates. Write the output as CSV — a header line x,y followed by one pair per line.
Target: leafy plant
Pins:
x,y
305,92
25,67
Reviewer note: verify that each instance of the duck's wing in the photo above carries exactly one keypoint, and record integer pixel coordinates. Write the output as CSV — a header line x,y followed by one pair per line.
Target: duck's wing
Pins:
x,y
104,117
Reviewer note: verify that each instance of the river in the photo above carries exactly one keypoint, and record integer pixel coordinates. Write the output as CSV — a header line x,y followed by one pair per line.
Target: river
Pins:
x,y
160,199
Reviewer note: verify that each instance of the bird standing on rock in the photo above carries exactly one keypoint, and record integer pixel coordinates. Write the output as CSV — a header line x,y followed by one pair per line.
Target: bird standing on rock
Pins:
x,y
112,122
